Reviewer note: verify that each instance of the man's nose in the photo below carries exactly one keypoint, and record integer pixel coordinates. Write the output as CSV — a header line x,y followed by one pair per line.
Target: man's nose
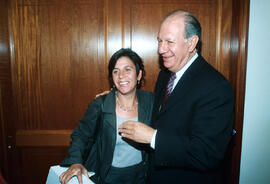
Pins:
x,y
162,48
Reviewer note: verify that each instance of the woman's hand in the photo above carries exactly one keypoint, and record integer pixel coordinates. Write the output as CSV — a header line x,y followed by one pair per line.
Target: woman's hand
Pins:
x,y
74,170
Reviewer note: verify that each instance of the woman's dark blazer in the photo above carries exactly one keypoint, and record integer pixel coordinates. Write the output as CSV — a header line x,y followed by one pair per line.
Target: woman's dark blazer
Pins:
x,y
97,154
194,126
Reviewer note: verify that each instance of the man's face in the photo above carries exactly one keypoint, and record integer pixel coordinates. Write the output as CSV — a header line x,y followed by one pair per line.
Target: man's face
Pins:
x,y
172,44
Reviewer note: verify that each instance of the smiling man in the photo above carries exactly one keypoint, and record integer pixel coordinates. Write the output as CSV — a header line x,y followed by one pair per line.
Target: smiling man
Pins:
x,y
192,120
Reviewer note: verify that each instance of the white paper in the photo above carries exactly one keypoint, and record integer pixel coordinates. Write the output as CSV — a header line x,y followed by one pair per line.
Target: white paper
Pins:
x,y
56,171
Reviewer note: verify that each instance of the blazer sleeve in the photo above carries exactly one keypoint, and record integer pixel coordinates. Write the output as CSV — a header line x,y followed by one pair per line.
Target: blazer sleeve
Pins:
x,y
83,137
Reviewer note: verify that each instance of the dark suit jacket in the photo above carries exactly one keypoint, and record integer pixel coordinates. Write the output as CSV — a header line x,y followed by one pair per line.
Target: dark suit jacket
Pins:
x,y
194,127
97,154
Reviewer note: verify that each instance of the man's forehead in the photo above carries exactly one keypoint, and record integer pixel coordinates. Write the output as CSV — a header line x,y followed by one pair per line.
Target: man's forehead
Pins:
x,y
169,30
165,36
173,21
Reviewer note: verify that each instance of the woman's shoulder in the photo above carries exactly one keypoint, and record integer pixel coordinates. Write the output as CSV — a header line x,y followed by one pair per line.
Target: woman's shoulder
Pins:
x,y
145,95
101,98
97,101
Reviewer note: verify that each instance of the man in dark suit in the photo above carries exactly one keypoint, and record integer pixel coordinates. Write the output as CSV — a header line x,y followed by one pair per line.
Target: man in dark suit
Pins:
x,y
192,120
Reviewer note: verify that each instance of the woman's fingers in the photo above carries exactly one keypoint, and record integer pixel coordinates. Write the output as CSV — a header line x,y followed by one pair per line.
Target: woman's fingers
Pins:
x,y
73,170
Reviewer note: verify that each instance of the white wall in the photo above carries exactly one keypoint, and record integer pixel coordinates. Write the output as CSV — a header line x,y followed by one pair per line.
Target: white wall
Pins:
x,y
255,158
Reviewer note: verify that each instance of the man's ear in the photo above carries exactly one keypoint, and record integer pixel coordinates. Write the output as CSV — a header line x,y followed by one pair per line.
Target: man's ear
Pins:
x,y
192,42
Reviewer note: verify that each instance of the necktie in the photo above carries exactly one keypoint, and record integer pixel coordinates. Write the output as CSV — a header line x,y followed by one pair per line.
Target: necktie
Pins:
x,y
169,87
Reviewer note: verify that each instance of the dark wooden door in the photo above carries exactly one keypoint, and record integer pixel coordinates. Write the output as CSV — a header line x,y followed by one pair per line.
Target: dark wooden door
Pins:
x,y
59,51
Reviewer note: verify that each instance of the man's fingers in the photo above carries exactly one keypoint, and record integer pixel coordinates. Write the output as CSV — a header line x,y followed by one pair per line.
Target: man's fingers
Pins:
x,y
130,128
124,135
125,132
103,93
128,125
136,131
126,129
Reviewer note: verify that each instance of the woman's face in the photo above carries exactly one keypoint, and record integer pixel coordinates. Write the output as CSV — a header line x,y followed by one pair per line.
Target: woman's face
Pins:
x,y
124,75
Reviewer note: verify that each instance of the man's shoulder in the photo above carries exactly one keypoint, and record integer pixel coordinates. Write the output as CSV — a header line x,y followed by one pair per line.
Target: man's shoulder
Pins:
x,y
209,77
209,70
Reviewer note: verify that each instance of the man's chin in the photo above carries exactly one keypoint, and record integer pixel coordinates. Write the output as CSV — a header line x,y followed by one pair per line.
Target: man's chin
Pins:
x,y
167,64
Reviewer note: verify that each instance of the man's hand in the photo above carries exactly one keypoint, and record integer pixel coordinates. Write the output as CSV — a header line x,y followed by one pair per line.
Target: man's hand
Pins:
x,y
74,170
103,93
136,131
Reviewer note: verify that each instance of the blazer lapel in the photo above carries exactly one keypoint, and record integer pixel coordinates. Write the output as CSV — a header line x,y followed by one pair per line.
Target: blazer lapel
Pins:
x,y
109,109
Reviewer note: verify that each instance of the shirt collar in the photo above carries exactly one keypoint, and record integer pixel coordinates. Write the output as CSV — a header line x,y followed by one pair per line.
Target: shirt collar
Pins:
x,y
180,72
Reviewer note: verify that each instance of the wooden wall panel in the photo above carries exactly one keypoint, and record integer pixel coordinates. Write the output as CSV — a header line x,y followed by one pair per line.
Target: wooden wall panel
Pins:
x,y
40,138
7,113
58,66
59,61
225,61
239,46
113,28
36,162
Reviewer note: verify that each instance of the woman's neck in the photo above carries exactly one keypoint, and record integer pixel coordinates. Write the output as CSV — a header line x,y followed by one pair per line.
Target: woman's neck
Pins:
x,y
126,105
127,100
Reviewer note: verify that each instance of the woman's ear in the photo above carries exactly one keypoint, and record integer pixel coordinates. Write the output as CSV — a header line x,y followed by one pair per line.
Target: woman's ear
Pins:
x,y
139,75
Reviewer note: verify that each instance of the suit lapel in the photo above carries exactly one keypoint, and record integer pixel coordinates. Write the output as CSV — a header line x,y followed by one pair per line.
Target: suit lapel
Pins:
x,y
142,110
162,88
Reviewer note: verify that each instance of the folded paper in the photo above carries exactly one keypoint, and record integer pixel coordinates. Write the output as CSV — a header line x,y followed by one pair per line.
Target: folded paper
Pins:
x,y
56,171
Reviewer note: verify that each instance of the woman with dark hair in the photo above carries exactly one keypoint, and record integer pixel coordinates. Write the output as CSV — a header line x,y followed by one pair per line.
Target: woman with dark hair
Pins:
x,y
96,144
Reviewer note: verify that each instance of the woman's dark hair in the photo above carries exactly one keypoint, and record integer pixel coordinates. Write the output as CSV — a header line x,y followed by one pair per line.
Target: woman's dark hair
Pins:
x,y
133,56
